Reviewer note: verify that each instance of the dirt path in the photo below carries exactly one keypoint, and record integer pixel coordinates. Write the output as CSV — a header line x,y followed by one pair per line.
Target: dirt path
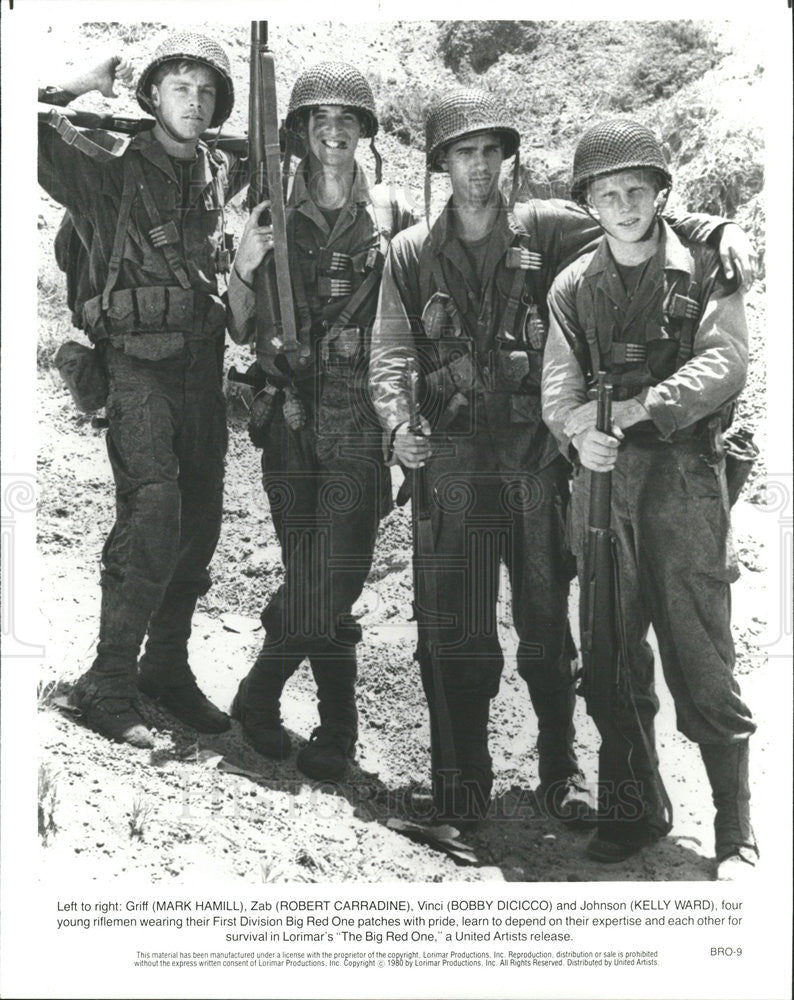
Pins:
x,y
180,810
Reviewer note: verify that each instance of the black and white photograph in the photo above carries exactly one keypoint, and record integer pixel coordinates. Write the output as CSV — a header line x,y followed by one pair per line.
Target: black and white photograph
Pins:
x,y
397,501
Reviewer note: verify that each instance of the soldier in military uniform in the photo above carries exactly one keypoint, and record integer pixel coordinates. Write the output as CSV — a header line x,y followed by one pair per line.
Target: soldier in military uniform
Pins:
x,y
464,303
322,460
654,310
151,222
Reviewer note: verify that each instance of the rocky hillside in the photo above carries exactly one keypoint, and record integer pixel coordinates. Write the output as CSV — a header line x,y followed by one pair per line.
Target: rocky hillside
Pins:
x,y
696,83
213,807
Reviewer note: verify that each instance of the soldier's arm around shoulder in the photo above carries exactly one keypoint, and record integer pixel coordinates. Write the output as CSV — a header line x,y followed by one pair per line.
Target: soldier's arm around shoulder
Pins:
x,y
565,231
393,206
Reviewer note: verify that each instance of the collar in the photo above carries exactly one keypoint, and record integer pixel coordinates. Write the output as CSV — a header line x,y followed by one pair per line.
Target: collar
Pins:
x,y
507,226
671,252
299,194
201,173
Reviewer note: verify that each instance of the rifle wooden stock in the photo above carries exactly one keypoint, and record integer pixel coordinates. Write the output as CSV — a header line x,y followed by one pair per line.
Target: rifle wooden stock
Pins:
x,y
275,313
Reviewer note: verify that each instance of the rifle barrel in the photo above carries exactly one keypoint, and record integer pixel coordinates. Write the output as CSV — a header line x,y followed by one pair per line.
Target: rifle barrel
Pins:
x,y
237,144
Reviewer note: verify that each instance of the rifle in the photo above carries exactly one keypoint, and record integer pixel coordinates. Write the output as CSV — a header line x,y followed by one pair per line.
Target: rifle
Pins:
x,y
601,651
50,115
275,313
426,606
606,678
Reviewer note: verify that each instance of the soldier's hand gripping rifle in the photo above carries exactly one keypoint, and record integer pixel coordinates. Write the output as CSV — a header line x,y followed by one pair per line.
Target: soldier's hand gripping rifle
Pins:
x,y
426,611
606,677
276,332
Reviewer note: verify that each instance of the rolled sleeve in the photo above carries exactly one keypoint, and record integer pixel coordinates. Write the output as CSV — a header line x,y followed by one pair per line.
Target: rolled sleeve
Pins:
x,y
393,353
241,310
563,385
712,377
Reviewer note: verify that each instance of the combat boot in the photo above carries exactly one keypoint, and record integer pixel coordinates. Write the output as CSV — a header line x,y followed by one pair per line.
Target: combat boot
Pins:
x,y
735,848
332,744
256,705
563,791
109,706
106,694
632,812
164,671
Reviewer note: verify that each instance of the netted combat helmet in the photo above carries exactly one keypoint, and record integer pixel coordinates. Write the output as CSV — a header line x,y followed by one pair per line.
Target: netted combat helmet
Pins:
x,y
463,112
333,83
619,144
198,48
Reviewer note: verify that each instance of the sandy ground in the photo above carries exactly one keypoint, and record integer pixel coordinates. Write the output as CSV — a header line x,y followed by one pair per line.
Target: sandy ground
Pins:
x,y
183,809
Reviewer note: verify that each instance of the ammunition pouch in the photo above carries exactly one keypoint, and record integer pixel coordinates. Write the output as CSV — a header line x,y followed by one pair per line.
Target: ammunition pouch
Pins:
x,y
501,371
510,371
735,448
458,374
154,323
334,270
333,262
83,371
646,364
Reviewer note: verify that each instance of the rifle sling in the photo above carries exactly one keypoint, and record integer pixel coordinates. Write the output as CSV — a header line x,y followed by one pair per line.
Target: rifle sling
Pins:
x,y
74,137
427,600
273,167
355,301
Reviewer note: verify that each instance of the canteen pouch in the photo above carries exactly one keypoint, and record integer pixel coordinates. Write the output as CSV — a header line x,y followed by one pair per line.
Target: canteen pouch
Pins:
x,y
83,372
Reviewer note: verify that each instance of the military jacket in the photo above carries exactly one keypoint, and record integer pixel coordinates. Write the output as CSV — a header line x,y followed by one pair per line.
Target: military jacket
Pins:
x,y
588,301
365,223
487,348
92,190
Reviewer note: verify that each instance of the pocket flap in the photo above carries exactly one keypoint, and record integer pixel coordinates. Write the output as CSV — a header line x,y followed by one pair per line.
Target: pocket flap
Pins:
x,y
154,346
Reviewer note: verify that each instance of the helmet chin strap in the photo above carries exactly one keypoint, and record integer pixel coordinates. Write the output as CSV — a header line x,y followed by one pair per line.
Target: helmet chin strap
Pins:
x,y
659,202
378,161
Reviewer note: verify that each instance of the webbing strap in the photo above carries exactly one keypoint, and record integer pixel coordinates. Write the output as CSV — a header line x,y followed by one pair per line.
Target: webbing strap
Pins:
x,y
120,237
301,303
354,302
170,254
74,137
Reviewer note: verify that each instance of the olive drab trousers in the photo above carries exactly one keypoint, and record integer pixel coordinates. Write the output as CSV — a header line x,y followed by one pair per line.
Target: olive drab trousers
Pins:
x,y
670,516
482,516
166,443
327,487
